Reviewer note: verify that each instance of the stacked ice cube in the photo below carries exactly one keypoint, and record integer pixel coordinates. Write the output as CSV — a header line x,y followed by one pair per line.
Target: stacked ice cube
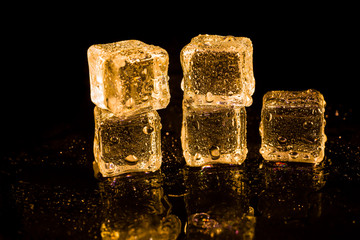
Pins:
x,y
218,84
129,82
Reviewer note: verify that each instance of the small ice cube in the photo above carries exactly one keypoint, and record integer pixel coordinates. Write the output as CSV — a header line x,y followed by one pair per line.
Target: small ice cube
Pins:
x,y
292,126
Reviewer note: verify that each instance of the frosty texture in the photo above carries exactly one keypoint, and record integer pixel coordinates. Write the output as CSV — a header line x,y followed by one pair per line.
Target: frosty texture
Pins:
x,y
213,134
292,126
128,76
126,144
218,70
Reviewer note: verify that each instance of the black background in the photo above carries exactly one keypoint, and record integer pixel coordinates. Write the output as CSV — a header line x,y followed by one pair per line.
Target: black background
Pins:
x,y
46,81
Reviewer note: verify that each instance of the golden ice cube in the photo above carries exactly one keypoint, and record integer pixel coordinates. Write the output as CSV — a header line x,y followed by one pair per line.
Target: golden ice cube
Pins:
x,y
292,126
218,70
130,144
128,76
213,134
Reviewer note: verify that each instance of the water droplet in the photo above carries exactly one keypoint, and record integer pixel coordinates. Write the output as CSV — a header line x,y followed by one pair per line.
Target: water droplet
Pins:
x,y
114,139
148,129
214,152
130,103
293,154
315,154
197,91
197,156
229,38
282,139
307,124
131,159
109,166
182,84
230,93
197,125
209,97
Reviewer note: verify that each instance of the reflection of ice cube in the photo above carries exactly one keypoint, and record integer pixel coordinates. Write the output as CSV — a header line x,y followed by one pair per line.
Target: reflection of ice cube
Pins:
x,y
217,203
126,144
218,70
128,76
134,207
292,191
213,134
292,126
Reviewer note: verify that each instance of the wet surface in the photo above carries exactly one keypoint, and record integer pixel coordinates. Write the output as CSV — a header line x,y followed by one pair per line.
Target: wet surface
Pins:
x,y
49,191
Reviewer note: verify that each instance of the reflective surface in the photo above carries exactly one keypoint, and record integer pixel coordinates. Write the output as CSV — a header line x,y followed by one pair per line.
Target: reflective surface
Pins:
x,y
48,190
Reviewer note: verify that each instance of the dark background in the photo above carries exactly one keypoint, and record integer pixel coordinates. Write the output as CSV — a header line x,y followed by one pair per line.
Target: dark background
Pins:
x,y
46,82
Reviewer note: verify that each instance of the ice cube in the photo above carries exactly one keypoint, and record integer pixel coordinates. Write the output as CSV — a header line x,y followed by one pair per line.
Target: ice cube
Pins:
x,y
129,144
218,70
128,76
213,134
292,126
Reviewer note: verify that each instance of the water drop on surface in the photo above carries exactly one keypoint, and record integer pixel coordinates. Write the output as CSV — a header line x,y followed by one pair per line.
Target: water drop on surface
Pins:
x,y
182,84
230,93
197,156
293,154
282,139
114,139
214,152
307,124
130,103
148,129
131,159
209,97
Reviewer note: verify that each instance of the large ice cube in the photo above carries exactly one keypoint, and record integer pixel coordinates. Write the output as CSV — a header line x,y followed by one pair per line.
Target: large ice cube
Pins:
x,y
213,134
128,76
292,126
218,70
129,144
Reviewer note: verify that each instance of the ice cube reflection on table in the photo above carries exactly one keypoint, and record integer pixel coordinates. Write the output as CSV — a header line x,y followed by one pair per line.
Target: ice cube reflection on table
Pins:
x,y
218,203
292,191
134,207
129,144
218,70
292,126
128,76
213,134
